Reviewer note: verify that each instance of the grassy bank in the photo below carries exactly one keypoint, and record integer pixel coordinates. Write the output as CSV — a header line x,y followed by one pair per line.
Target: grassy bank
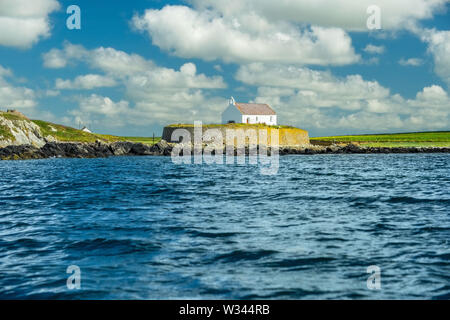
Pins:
x,y
413,139
145,140
231,126
64,133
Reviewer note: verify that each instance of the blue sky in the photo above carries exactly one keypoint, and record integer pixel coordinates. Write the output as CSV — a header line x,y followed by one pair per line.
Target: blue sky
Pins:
x,y
136,66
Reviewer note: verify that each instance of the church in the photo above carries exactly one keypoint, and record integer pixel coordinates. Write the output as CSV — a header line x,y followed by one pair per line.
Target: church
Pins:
x,y
251,113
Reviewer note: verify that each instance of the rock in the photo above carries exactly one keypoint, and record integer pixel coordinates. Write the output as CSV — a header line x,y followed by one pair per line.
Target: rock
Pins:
x,y
76,150
100,149
161,148
121,148
22,152
351,148
103,148
23,132
140,149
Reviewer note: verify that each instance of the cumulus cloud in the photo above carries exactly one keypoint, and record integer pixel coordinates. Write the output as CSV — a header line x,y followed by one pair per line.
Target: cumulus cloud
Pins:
x,y
101,112
60,58
86,82
311,82
103,105
247,37
349,15
372,49
14,97
433,93
23,22
150,108
133,69
319,101
413,62
153,94
439,47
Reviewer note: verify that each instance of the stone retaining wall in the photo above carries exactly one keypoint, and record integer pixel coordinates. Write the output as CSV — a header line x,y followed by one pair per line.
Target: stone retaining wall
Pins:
x,y
287,136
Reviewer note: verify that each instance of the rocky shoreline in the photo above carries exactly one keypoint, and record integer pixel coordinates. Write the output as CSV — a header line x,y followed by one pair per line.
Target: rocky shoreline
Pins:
x,y
83,150
355,149
103,150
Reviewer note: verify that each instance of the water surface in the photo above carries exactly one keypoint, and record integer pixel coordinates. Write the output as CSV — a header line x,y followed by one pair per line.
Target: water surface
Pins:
x,y
144,228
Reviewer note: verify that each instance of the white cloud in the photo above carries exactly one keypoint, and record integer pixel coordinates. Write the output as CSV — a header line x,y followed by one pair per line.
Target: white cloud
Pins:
x,y
372,49
434,94
319,101
152,107
413,62
311,82
51,93
5,72
248,37
54,59
117,62
13,96
103,105
60,58
347,14
153,94
24,22
132,69
439,47
86,82
99,112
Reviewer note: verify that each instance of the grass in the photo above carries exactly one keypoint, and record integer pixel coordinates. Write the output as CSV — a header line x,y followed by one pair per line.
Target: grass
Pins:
x,y
64,133
412,139
144,140
231,126
10,116
406,144
69,134
5,133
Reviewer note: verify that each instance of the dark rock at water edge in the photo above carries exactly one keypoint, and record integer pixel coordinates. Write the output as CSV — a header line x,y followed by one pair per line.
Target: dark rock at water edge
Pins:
x,y
162,148
75,150
83,150
21,152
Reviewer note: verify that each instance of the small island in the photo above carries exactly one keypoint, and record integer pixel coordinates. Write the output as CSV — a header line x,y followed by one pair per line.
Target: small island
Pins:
x,y
22,138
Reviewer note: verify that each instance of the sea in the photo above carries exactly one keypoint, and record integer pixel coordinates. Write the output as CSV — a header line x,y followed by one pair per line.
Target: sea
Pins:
x,y
350,226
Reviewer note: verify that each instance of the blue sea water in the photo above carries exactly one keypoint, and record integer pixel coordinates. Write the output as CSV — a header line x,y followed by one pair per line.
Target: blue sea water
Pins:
x,y
145,228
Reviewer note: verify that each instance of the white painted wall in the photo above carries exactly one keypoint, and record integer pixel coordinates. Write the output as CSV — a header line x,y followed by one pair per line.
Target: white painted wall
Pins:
x,y
231,113
253,119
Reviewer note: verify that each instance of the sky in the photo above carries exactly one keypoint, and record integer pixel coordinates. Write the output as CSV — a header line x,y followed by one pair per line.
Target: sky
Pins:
x,y
330,67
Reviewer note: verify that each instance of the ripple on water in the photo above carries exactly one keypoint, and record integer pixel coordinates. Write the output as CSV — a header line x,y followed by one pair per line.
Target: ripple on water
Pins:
x,y
142,227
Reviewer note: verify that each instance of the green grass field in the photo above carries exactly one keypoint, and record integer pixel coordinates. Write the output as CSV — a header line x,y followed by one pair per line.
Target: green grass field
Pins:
x,y
413,139
230,126
144,140
64,133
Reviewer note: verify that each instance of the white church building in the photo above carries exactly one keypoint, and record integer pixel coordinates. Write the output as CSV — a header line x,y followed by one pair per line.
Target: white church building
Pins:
x,y
251,113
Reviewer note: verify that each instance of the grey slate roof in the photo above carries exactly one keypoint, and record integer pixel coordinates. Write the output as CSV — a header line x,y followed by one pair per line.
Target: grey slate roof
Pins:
x,y
255,109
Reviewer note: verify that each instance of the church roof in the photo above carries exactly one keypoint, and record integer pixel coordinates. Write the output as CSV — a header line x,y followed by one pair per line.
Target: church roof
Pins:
x,y
255,109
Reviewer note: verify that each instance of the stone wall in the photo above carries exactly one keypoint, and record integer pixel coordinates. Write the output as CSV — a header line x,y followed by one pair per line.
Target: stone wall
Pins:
x,y
287,136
